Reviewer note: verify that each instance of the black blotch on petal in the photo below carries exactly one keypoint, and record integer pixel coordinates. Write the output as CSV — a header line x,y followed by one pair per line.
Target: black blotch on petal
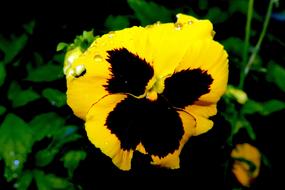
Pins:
x,y
155,124
130,73
185,87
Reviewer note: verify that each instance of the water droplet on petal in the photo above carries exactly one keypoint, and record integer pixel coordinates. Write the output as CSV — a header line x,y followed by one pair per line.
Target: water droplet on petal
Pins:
x,y
79,69
190,22
70,73
178,26
111,34
98,58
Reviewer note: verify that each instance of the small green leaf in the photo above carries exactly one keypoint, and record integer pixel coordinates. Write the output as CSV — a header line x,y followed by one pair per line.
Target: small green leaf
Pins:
x,y
46,156
24,181
11,47
116,22
2,73
29,27
62,136
272,106
50,181
150,12
45,73
72,159
265,108
251,107
61,46
16,140
233,45
46,125
2,110
276,74
56,97
20,97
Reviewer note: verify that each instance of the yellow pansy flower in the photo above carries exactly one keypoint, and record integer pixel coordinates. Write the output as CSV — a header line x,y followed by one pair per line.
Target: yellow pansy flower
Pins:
x,y
149,89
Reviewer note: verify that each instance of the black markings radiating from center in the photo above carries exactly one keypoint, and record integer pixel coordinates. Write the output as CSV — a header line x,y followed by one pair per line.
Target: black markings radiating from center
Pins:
x,y
156,125
130,73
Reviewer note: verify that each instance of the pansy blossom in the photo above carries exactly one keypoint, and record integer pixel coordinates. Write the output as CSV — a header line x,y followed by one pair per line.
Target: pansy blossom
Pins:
x,y
148,89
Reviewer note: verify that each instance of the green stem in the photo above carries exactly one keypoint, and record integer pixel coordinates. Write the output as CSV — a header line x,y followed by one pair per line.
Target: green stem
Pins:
x,y
261,37
247,66
246,41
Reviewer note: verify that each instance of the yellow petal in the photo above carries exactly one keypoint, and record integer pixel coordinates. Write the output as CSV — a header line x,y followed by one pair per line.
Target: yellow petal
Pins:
x,y
101,136
172,160
209,56
83,92
202,111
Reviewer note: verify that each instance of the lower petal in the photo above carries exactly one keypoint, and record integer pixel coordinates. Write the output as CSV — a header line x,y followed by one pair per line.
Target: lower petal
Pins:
x,y
101,136
172,160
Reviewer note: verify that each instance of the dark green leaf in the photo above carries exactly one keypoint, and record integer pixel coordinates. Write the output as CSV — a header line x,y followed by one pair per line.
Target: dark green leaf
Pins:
x,y
2,110
216,15
276,74
62,136
24,181
50,181
272,106
16,140
2,73
48,72
251,107
56,97
20,97
264,108
46,125
150,12
46,156
38,59
72,159
234,45
116,22
11,47
29,27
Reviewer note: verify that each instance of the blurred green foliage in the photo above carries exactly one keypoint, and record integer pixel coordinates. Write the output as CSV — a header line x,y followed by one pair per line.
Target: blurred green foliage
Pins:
x,y
19,136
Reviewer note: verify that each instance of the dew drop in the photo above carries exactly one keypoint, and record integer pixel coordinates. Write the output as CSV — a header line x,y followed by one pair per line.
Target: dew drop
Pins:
x,y
178,26
98,58
111,34
16,163
190,22
79,70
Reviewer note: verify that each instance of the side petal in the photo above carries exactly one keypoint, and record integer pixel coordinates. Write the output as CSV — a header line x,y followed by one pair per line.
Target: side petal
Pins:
x,y
172,160
101,136
83,92
202,113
